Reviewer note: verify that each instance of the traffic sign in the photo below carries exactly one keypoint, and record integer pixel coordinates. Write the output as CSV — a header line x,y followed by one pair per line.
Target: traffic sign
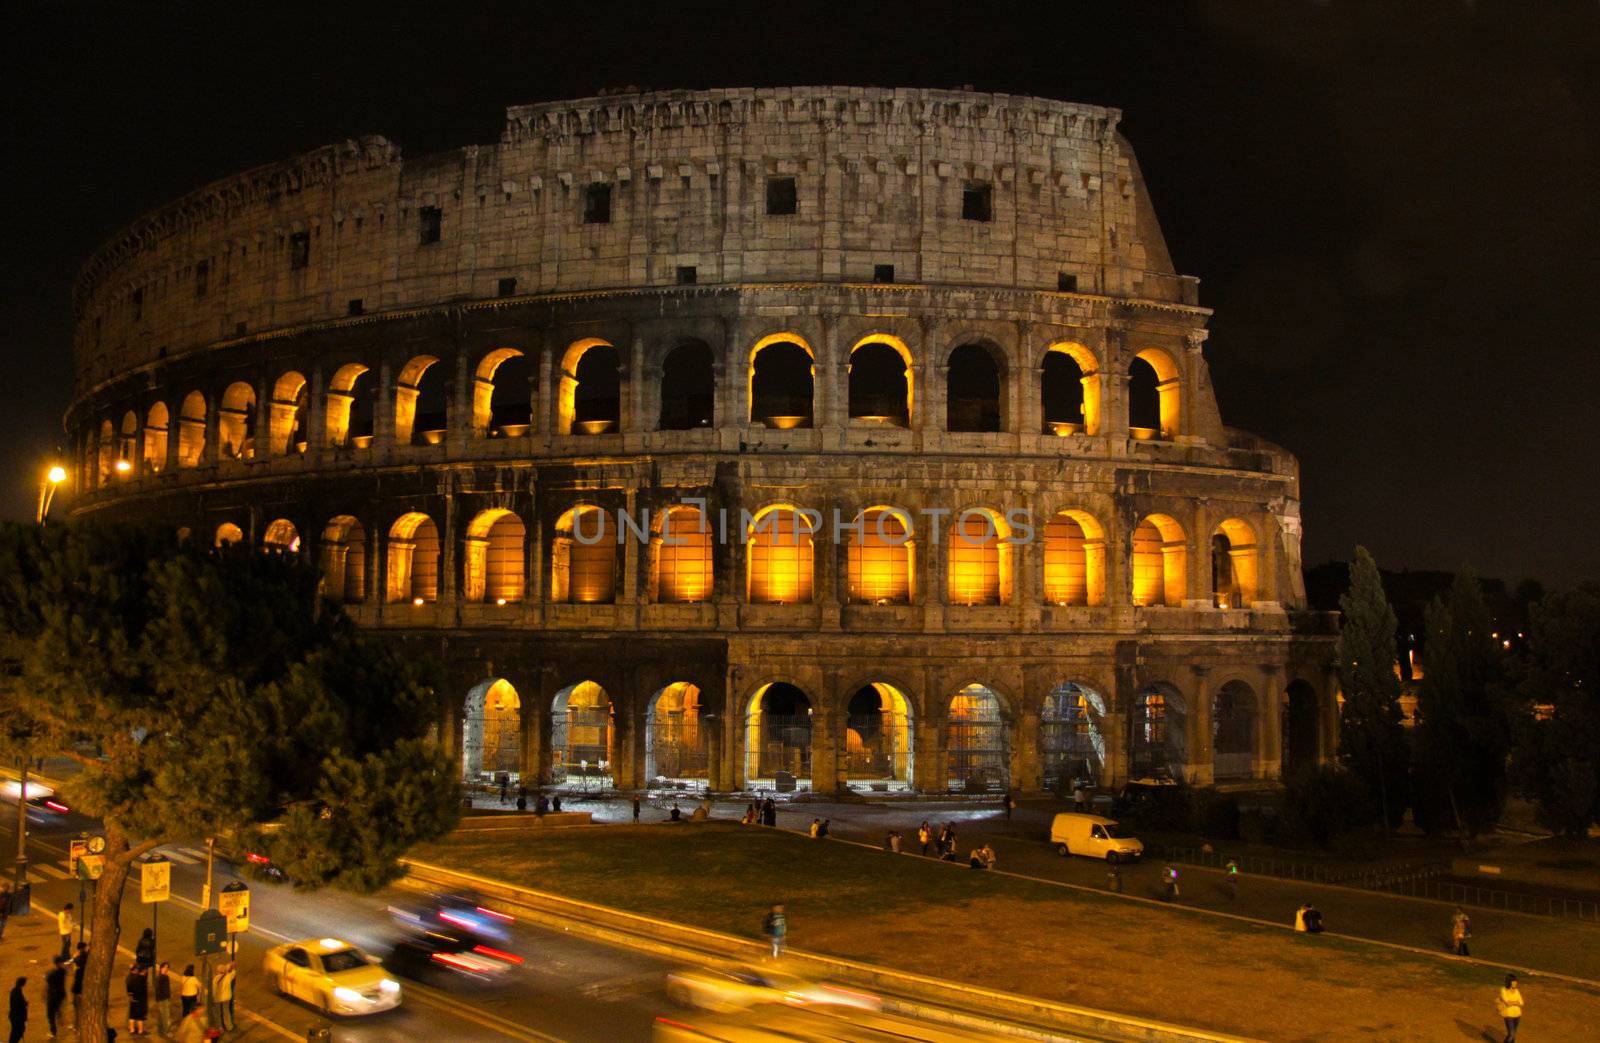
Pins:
x,y
76,849
90,866
233,902
155,880
210,933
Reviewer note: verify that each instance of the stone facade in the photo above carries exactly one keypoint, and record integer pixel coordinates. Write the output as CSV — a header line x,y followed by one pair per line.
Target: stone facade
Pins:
x,y
217,339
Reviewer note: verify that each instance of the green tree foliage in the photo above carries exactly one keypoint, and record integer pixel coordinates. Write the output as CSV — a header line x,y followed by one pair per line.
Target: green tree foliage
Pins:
x,y
1556,760
1372,741
1459,756
208,692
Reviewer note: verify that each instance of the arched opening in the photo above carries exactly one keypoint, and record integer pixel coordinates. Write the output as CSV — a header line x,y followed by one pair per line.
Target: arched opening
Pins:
x,y
1233,565
128,444
881,558
1071,743
106,466
1159,748
192,430
281,535
491,734
976,746
590,400
1233,731
779,556
157,434
581,733
973,396
1301,728
677,734
1160,562
782,383
421,403
502,395
682,557
287,421
880,382
413,565
979,559
495,554
878,734
236,421
1153,395
583,558
688,388
777,733
344,560
228,534
349,410
1069,390
1074,560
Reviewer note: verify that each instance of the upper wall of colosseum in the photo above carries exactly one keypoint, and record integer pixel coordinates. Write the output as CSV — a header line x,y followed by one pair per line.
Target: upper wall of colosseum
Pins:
x,y
937,187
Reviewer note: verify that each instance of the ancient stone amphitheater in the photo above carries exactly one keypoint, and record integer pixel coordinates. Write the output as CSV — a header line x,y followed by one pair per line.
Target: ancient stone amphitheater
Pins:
x,y
739,438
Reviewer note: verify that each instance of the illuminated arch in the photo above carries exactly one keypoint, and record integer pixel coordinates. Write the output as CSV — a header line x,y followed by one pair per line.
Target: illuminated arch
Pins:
x,y
1159,730
348,417
1069,389
881,557
344,560
1074,559
880,377
1233,731
977,741
128,444
491,733
1165,396
681,561
588,400
157,437
192,430
688,387
779,557
774,365
228,534
1235,565
1072,744
495,552
581,732
975,388
979,559
583,557
777,732
282,535
286,425
677,735
413,560
1160,562
236,421
878,734
414,422
107,451
501,406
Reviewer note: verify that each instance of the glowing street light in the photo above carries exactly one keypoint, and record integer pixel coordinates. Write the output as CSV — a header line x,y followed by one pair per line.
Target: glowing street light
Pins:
x,y
123,467
47,490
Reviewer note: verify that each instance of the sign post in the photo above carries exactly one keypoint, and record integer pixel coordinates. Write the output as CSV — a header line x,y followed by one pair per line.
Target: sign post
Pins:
x,y
210,930
155,887
233,902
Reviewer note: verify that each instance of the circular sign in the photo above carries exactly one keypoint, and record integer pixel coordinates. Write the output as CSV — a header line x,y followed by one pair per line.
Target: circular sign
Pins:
x,y
97,845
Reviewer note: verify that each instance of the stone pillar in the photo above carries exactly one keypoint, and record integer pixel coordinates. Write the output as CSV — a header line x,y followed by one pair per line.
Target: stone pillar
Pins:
x,y
459,429
825,762
937,777
1025,753
317,410
634,398
383,411
1201,767
717,773
1269,722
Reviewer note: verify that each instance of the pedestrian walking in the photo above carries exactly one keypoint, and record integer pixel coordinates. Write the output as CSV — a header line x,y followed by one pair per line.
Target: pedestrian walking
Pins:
x,y
555,803
822,833
80,960
894,842
222,984
188,991
1460,931
505,788
1509,1004
138,986
163,999
55,992
924,836
1080,796
816,828
776,927
19,1011
772,812
144,950
888,841
1011,805
636,809
1114,876
1313,919
66,923
1169,876
1233,878
194,1029
675,815
5,907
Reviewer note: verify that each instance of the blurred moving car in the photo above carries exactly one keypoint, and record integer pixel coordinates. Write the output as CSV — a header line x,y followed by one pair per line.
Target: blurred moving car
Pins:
x,y
783,1024
741,986
424,954
332,975
1075,833
41,798
460,913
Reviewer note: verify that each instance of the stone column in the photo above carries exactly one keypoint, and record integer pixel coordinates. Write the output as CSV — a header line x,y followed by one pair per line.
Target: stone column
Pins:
x,y
1269,722
825,765
383,412
1200,768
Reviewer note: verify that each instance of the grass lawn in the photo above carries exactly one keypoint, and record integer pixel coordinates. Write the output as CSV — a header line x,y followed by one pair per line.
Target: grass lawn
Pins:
x,y
1018,935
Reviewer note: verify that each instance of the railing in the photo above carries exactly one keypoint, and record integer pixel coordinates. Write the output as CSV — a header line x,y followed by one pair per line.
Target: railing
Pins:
x,y
1418,880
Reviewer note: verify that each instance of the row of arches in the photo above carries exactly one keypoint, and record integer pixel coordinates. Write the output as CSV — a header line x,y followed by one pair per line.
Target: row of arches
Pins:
x,y
780,567
781,394
779,735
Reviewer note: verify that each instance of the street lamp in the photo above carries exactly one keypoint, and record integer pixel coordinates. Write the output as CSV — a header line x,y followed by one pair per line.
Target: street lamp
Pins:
x,y
47,490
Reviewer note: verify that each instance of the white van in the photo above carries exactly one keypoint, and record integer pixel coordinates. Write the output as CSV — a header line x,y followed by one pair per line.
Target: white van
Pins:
x,y
1074,833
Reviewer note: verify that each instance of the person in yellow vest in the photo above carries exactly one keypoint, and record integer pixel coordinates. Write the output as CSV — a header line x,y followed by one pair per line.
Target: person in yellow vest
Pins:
x,y
1510,1004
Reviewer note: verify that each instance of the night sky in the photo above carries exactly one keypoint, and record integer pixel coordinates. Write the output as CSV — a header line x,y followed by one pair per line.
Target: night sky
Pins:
x,y
1393,208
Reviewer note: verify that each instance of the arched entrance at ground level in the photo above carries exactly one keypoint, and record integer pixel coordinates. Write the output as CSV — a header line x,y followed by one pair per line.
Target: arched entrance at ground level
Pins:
x,y
1301,731
1233,731
976,746
878,734
491,733
580,732
1158,749
778,732
1072,745
676,734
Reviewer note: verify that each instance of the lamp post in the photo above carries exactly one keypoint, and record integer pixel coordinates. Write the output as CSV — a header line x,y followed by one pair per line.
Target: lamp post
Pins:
x,y
47,490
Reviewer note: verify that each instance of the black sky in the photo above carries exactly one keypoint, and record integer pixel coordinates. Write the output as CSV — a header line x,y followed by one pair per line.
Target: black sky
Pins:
x,y
1392,206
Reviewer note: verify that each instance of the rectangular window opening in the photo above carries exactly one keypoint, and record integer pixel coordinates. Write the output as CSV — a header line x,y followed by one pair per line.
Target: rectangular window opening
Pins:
x,y
357,307
507,287
138,304
781,198
202,278
1066,283
883,273
597,205
299,251
687,275
430,221
977,201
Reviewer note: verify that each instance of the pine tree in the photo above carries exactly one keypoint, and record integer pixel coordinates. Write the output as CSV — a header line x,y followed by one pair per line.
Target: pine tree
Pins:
x,y
1557,759
1372,742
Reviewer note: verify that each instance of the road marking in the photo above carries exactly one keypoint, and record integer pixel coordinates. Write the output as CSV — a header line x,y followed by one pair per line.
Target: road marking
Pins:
x,y
199,856
176,854
45,869
501,1025
273,1025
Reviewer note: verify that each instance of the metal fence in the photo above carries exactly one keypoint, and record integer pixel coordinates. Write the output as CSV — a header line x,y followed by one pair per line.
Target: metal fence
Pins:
x,y
1419,880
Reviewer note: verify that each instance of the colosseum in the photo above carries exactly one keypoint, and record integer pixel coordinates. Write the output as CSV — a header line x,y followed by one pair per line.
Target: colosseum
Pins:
x,y
824,438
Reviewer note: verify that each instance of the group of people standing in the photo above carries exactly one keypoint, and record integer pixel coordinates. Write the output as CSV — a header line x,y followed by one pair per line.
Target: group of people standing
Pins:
x,y
759,813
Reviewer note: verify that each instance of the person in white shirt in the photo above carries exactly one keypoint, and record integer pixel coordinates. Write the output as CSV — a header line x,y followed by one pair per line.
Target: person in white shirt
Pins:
x,y
66,923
